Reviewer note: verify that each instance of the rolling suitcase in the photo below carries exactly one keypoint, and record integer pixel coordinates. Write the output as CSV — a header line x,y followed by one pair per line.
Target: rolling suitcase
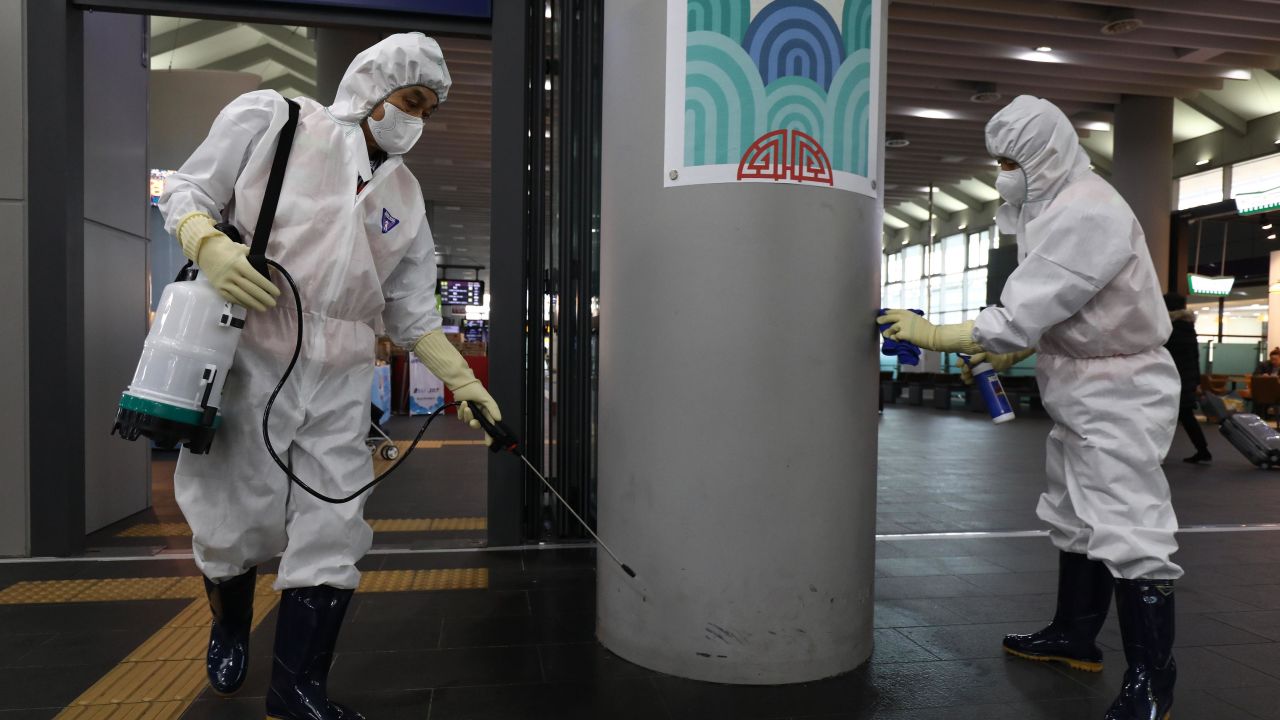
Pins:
x,y
1214,407
1258,441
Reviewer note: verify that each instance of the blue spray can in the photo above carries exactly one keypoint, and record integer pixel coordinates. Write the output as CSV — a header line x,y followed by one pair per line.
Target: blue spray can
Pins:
x,y
993,393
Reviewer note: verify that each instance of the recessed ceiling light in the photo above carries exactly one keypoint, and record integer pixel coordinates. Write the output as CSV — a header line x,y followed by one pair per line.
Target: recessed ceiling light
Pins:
x,y
1239,75
963,226
1202,162
1271,237
1267,226
1044,48
1040,57
934,114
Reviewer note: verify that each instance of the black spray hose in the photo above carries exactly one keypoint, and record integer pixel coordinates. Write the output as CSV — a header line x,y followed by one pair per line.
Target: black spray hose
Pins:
x,y
504,439
271,401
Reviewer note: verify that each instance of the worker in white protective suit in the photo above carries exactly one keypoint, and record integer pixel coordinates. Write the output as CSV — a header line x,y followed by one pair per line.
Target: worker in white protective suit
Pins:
x,y
1086,297
352,231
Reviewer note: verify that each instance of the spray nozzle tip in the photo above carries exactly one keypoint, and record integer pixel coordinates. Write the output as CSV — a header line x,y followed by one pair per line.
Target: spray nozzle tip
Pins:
x,y
627,569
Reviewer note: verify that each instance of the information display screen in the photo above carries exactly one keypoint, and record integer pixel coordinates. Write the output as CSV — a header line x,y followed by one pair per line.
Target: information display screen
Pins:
x,y
464,8
461,292
475,330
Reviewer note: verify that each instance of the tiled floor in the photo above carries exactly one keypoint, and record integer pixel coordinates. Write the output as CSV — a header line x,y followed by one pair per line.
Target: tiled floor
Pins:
x,y
523,647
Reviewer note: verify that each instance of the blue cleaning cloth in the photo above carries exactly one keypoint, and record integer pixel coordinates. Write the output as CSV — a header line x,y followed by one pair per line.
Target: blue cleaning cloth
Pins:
x,y
908,353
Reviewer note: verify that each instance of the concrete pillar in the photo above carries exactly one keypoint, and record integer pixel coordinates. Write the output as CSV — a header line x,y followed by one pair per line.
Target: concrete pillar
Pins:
x,y
737,431
15,427
335,49
1273,303
1142,168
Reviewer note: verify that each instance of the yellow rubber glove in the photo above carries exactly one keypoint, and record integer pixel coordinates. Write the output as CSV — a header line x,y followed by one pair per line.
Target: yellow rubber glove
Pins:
x,y
908,326
1000,362
225,263
445,362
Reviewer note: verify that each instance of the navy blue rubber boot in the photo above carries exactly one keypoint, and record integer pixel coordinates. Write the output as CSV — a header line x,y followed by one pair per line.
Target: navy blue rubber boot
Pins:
x,y
227,661
306,632
1145,608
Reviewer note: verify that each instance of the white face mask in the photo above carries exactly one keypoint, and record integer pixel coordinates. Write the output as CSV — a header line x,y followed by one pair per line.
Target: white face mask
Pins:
x,y
397,131
1012,186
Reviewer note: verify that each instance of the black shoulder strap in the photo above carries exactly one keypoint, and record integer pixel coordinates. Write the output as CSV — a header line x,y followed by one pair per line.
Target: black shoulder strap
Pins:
x,y
267,215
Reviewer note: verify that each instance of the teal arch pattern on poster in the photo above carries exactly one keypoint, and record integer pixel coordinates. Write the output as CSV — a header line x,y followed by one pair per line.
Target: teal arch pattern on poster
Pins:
x,y
797,103
728,105
857,25
727,17
849,115
724,100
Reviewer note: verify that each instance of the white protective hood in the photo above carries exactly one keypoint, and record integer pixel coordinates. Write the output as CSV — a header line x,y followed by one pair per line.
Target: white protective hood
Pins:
x,y
1035,134
397,62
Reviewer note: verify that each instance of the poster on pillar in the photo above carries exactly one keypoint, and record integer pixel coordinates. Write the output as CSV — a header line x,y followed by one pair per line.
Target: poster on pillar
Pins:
x,y
774,91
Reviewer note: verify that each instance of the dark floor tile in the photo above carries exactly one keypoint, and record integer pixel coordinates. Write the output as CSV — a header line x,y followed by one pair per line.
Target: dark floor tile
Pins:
x,y
1034,609
405,705
421,633
45,687
562,601
1014,583
1265,623
14,647
1198,669
964,642
911,567
892,646
1258,597
386,607
536,630
85,648
1053,710
911,612
85,617
1259,702
934,586
692,700
1192,631
615,699
38,714
415,670
970,682
1265,658
574,578
586,662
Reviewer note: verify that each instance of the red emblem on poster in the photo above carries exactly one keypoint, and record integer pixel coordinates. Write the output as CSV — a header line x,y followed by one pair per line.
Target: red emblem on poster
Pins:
x,y
766,159
786,154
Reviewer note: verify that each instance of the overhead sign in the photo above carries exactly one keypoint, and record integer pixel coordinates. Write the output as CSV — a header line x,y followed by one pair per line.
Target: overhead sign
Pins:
x,y
1258,202
461,292
465,8
1204,285
774,91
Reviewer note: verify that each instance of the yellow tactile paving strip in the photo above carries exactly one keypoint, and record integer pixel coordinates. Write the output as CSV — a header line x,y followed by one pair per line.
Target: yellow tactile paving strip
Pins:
x,y
43,592
162,677
386,525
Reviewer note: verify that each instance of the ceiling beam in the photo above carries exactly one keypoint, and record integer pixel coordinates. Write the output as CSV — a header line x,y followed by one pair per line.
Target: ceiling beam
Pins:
x,y
263,53
188,33
1010,91
1016,25
970,202
1196,55
1234,9
1119,84
910,221
289,41
1214,110
1053,70
1005,52
1255,28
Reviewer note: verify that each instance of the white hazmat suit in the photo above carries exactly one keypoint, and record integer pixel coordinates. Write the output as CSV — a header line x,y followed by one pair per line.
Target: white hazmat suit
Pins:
x,y
1085,293
355,257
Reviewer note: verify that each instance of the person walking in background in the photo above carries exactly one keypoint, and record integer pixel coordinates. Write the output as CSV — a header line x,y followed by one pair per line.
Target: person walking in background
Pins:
x,y
1185,349
1271,366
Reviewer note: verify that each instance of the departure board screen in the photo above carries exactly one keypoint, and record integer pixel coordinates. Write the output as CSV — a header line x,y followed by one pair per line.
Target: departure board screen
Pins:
x,y
461,292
